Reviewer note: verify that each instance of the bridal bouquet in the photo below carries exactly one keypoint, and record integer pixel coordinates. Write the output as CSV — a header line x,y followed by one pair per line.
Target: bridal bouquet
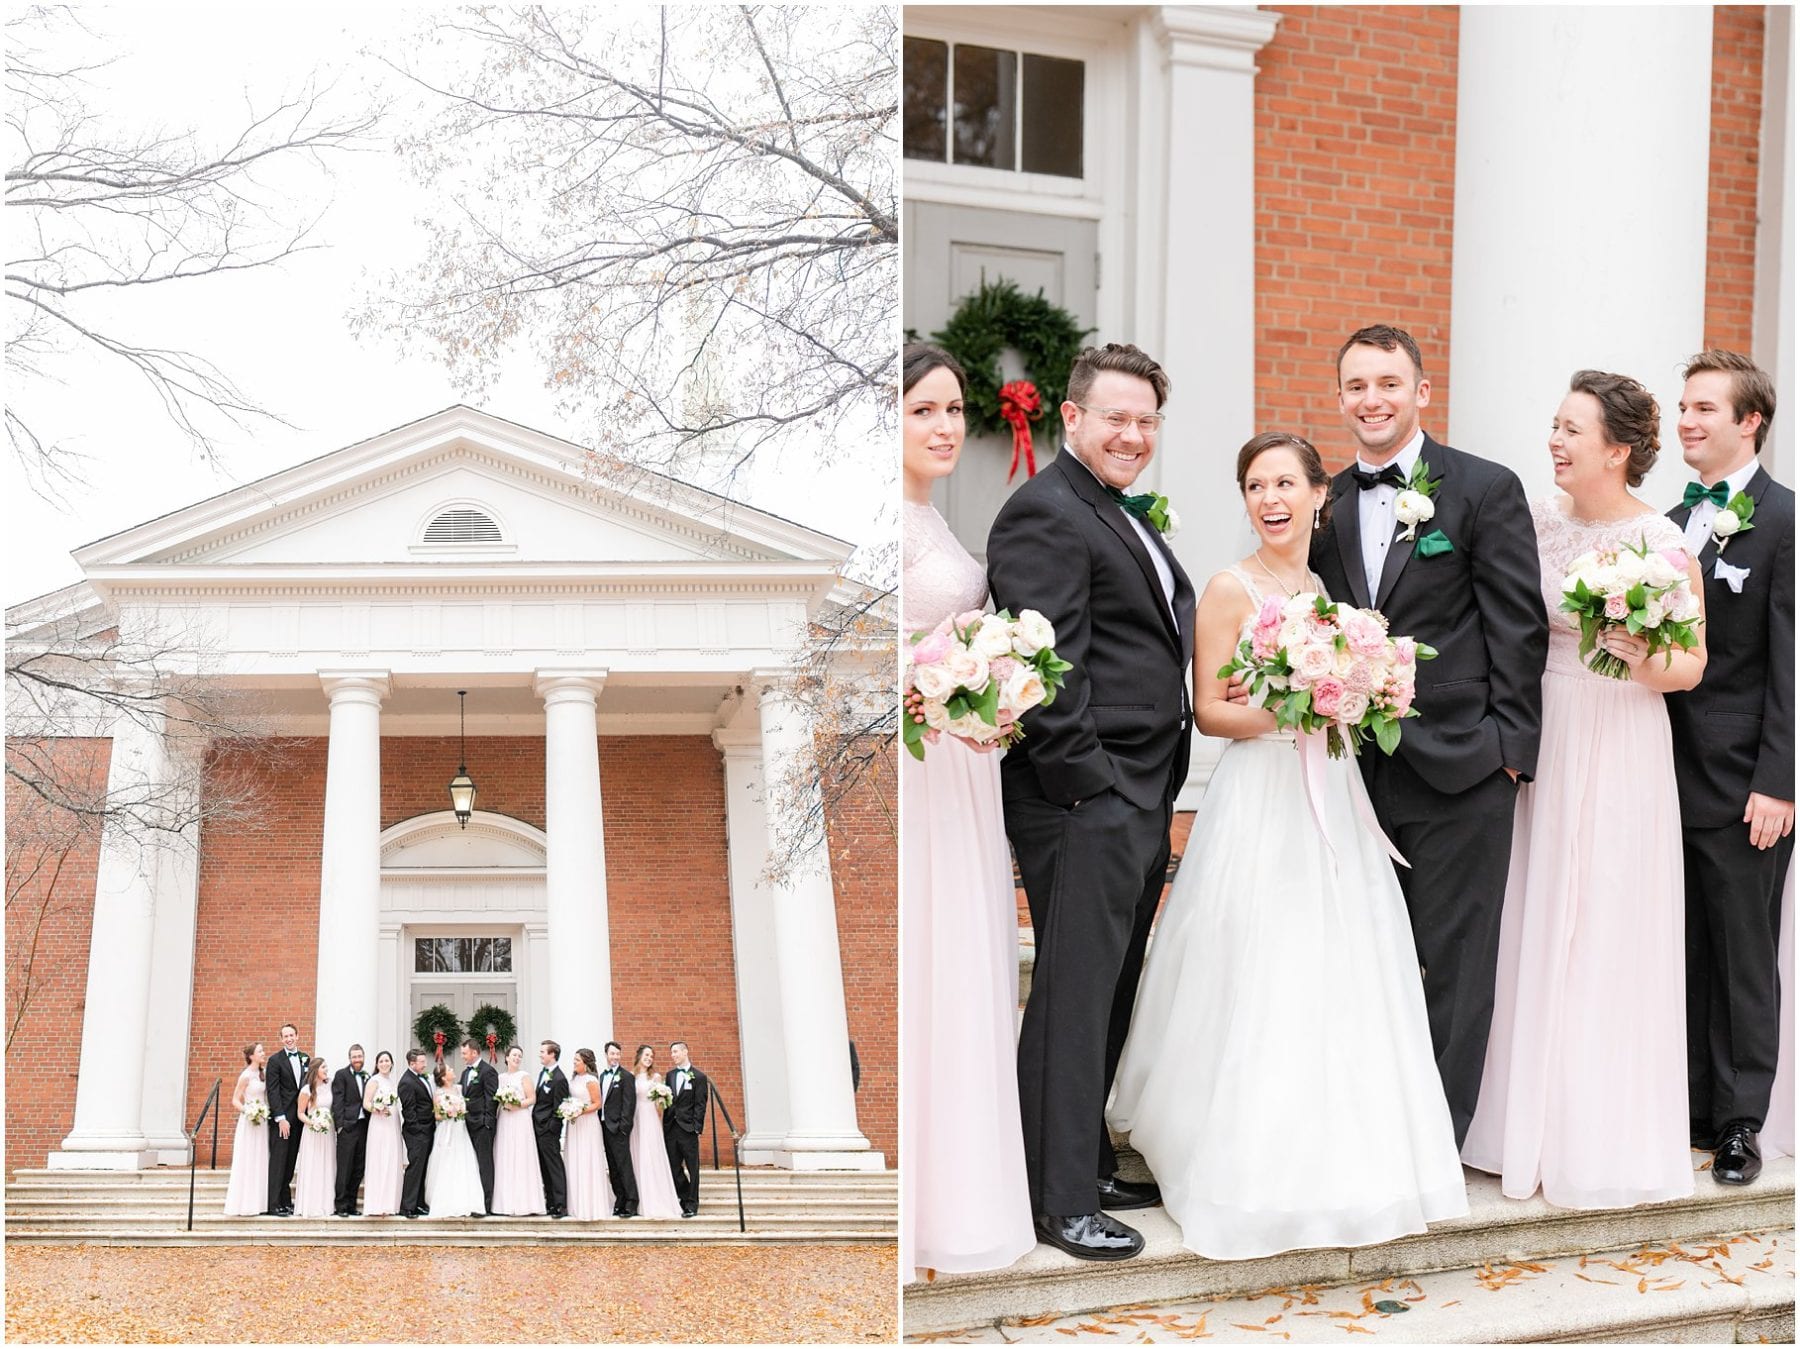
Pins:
x,y
508,1097
319,1120
257,1112
1330,667
385,1101
661,1095
569,1109
974,675
451,1106
1641,589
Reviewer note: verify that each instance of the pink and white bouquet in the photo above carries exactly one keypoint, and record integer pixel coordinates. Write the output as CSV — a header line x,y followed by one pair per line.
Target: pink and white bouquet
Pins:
x,y
257,1111
318,1120
660,1096
450,1105
509,1098
570,1109
1330,667
1643,590
385,1101
974,675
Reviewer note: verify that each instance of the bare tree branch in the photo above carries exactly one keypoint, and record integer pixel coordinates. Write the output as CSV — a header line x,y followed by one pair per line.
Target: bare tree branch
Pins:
x,y
107,211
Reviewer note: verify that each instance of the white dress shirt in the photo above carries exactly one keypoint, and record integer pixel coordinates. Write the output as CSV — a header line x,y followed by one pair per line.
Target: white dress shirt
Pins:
x,y
1375,511
1699,525
1164,573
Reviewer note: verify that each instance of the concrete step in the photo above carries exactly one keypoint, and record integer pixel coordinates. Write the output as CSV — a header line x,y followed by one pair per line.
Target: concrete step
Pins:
x,y
1497,1230
1734,1290
473,1234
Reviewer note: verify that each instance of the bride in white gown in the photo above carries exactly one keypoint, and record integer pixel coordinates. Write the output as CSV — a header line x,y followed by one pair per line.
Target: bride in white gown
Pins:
x,y
452,1176
1279,1077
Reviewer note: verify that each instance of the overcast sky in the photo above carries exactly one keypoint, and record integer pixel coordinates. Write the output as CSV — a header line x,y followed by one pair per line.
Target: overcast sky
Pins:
x,y
282,333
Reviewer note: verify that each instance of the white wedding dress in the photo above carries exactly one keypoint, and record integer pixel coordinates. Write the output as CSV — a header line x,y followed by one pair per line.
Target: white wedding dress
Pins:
x,y
453,1176
1279,1076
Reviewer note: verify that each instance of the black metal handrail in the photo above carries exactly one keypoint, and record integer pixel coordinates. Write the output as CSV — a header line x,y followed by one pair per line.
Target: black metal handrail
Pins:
x,y
212,1099
715,1107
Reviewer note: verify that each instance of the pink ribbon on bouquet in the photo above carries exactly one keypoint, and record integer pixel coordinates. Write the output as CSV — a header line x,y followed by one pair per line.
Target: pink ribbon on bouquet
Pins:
x,y
1313,754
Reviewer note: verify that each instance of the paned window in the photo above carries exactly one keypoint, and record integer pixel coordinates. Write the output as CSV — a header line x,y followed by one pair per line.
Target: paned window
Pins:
x,y
462,955
967,104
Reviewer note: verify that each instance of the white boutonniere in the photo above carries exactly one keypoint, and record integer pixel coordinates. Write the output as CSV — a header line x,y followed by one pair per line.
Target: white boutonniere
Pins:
x,y
1733,518
1413,507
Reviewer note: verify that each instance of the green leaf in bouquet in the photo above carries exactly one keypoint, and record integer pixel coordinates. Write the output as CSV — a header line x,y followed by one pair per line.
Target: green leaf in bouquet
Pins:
x,y
1636,596
1387,734
1590,629
913,733
1634,622
987,703
1582,593
1322,606
957,704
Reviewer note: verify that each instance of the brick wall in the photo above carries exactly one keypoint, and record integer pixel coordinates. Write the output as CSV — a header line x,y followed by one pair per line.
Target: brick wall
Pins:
x,y
50,872
1731,175
863,843
1355,192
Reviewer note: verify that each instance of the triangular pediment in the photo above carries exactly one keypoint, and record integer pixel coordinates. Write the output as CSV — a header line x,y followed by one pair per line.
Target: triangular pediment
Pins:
x,y
462,488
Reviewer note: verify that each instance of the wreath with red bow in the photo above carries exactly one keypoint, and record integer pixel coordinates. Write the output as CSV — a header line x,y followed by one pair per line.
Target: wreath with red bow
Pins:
x,y
1047,337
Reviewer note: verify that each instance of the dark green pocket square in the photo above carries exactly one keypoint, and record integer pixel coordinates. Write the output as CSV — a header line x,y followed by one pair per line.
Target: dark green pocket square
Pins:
x,y
1433,544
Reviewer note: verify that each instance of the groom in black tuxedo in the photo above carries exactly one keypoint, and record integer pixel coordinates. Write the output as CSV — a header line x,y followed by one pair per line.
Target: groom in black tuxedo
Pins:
x,y
1734,758
1467,584
417,1126
618,1114
682,1123
547,1126
1090,790
352,1124
479,1082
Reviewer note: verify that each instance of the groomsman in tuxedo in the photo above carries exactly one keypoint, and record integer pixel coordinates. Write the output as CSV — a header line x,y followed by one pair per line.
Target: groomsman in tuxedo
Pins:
x,y
479,1083
417,1124
547,1125
352,1124
1734,755
283,1076
1088,794
618,1112
682,1123
1468,585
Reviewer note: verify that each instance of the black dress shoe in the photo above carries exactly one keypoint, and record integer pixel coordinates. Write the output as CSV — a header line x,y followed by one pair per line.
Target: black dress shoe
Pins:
x,y
413,1214
690,1212
1737,1160
1091,1236
559,1215
1116,1193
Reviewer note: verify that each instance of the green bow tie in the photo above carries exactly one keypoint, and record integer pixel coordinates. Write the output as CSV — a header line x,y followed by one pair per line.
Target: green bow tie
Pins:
x,y
1134,505
1694,494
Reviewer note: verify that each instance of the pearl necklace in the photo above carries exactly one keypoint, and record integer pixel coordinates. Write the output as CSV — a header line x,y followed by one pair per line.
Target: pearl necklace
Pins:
x,y
1273,577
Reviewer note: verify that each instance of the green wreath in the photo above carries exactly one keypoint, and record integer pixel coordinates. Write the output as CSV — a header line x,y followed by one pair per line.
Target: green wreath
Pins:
x,y
997,316
487,1018
435,1018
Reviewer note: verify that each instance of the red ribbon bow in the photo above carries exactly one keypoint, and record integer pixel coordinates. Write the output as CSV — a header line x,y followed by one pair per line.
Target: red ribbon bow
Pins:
x,y
1019,406
491,1038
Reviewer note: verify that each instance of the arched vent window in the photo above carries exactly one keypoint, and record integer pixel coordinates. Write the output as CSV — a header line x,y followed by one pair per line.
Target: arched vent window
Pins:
x,y
462,524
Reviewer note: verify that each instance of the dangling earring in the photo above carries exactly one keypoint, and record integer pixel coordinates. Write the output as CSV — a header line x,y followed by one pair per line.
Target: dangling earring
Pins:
x,y
1316,510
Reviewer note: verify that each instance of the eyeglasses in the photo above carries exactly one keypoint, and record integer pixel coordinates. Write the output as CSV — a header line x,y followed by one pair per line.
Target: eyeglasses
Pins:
x,y
1148,424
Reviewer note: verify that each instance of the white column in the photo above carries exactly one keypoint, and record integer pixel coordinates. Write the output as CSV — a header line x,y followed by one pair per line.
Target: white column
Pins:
x,y
108,1133
393,959
575,860
1773,342
534,1011
170,1018
1582,142
1198,304
822,1133
350,866
763,1113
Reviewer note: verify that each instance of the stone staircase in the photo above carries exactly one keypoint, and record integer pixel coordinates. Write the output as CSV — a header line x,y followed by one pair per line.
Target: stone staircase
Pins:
x,y
1046,1285
149,1208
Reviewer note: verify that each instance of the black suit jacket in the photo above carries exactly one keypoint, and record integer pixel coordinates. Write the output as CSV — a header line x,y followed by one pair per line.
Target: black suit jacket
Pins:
x,y
283,1091
1061,546
416,1116
478,1092
1734,734
618,1106
550,1095
1480,605
688,1113
346,1098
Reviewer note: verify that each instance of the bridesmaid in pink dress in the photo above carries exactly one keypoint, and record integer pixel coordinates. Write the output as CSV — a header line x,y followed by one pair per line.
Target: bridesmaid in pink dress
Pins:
x,y
1584,1093
649,1153
518,1184
315,1173
248,1190
584,1159
965,1203
384,1170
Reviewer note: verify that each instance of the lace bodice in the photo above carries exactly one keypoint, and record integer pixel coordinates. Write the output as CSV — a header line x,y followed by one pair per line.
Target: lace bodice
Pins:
x,y
254,1088
940,577
1561,539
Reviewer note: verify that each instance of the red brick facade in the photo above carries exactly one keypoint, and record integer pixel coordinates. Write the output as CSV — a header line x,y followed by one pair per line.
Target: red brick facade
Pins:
x,y
1355,196
1731,175
49,917
669,912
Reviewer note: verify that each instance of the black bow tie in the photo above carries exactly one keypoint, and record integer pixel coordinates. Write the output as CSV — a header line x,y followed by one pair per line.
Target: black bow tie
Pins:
x,y
1389,475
